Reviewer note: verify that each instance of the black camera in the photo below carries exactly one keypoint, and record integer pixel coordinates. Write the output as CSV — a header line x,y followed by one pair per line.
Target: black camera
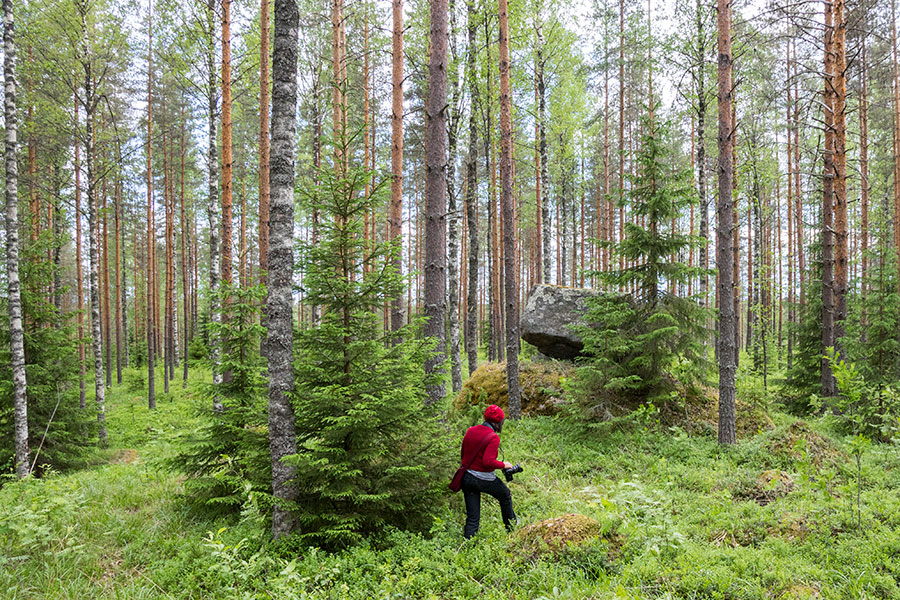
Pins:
x,y
512,471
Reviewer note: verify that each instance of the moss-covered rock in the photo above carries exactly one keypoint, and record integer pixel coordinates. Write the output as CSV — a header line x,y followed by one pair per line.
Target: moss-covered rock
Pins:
x,y
541,385
557,534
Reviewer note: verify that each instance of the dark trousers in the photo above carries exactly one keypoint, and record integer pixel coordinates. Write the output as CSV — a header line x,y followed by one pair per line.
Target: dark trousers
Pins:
x,y
472,487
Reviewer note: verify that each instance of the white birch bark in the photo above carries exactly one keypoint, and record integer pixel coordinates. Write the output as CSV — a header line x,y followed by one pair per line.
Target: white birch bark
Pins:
x,y
17,340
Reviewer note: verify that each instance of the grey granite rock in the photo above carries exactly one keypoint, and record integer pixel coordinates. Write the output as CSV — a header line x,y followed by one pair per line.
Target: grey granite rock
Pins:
x,y
548,313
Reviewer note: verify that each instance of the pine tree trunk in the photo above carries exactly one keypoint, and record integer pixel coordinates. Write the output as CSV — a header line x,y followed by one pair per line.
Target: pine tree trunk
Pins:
x,y
896,122
316,311
280,345
621,129
472,196
509,224
151,379
395,216
828,280
119,282
185,280
14,290
864,171
435,196
790,214
166,351
724,259
453,214
107,321
841,238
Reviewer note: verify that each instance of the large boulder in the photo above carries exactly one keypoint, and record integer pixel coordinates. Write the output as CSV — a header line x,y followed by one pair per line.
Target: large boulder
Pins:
x,y
549,311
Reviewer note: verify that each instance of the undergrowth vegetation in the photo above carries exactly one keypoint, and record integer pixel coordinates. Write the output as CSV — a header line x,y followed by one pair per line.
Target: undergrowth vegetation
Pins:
x,y
787,513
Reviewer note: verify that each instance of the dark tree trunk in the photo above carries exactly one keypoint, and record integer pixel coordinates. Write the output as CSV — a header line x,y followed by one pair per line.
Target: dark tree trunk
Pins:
x,y
509,220
724,258
472,197
435,195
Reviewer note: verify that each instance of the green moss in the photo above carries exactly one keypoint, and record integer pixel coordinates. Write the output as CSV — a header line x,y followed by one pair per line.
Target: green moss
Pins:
x,y
541,385
557,534
799,442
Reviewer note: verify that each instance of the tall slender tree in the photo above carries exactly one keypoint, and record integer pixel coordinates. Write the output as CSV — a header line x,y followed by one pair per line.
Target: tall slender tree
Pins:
x,y
436,194
91,101
395,215
212,204
79,276
14,289
509,219
151,234
724,234
263,142
828,280
471,192
280,344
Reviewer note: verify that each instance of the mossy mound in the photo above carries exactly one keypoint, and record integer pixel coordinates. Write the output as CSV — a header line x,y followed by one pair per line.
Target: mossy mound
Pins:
x,y
701,408
769,486
798,442
541,385
555,535
125,456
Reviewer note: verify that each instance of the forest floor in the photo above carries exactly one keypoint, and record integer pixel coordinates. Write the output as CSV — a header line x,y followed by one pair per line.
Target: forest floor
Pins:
x,y
774,517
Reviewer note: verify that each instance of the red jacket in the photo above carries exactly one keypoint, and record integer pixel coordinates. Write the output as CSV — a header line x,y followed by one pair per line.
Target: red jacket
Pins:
x,y
473,441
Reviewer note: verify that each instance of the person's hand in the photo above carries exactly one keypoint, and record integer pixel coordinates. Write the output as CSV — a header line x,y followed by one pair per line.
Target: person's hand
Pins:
x,y
507,465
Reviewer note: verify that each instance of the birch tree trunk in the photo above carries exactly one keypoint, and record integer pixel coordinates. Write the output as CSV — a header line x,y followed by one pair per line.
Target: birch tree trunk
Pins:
x,y
212,205
79,276
724,258
17,337
509,220
435,196
542,147
280,345
453,214
701,156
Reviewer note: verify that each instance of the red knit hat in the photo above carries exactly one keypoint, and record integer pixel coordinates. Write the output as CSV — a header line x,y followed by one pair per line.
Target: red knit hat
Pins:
x,y
494,414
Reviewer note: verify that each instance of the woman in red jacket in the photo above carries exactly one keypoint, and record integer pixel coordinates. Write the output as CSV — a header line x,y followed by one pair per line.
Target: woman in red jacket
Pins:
x,y
479,456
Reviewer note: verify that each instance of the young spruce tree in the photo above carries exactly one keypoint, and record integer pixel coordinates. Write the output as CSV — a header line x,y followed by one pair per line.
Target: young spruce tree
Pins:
x,y
367,441
642,347
227,458
872,335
